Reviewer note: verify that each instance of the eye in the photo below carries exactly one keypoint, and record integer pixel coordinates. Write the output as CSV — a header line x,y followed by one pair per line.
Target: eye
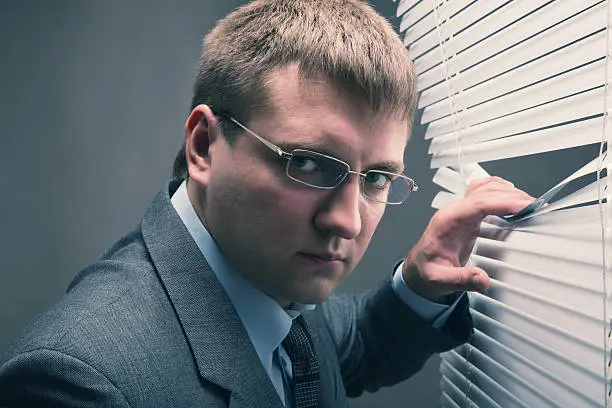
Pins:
x,y
378,180
305,164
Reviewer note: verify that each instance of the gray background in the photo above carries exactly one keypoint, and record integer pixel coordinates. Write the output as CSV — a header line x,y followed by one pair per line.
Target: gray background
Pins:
x,y
93,98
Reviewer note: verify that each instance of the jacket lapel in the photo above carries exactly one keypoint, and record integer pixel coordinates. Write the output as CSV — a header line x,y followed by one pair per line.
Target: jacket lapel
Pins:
x,y
219,343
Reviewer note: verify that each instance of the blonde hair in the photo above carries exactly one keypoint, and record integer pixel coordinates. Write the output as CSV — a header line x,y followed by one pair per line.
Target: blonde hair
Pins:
x,y
343,41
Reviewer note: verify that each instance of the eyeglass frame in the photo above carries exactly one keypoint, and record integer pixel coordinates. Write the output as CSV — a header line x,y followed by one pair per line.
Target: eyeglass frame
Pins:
x,y
287,156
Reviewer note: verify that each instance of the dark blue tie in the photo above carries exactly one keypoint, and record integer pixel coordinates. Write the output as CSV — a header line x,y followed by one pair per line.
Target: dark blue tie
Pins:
x,y
298,345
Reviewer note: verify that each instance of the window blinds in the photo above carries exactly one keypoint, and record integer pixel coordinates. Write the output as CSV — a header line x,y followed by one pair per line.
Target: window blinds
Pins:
x,y
499,80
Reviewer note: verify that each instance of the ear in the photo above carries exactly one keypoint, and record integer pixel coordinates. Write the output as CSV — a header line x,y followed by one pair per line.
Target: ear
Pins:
x,y
201,132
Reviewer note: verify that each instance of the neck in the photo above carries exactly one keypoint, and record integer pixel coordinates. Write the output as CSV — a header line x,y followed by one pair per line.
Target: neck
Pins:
x,y
196,195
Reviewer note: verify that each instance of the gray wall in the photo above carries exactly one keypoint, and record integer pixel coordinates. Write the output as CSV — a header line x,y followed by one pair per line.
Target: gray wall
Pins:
x,y
93,97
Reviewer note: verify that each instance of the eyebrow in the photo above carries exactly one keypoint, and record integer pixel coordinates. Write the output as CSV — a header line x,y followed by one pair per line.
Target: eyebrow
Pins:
x,y
389,166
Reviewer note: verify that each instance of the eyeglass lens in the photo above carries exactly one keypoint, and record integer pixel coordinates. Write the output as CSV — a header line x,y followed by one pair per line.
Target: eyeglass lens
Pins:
x,y
318,170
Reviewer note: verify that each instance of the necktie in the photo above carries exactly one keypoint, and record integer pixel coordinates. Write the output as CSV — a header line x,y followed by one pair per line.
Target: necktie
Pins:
x,y
298,346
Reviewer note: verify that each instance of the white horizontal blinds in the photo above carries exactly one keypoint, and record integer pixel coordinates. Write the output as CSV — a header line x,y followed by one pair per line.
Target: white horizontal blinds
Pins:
x,y
565,34
546,274
499,80
529,97
574,67
483,37
482,30
546,288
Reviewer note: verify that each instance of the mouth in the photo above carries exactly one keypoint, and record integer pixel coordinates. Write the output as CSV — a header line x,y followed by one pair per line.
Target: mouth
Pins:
x,y
324,257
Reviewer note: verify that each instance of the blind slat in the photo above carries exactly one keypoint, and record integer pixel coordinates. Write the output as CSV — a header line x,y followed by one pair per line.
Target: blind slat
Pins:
x,y
405,5
450,180
415,11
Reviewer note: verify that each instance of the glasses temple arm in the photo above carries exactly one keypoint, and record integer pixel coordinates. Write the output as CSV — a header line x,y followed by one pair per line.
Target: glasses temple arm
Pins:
x,y
270,145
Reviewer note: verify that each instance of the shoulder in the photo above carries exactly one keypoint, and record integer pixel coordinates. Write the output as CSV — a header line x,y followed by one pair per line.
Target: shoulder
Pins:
x,y
34,379
113,310
114,327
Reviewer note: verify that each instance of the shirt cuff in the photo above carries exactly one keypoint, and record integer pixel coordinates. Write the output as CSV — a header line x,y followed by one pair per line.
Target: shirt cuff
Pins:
x,y
435,313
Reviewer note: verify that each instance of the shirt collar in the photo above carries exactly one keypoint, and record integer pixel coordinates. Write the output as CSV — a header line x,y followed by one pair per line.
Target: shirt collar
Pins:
x,y
265,321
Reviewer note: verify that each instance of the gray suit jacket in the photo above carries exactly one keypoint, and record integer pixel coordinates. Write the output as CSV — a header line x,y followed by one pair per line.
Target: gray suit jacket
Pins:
x,y
149,325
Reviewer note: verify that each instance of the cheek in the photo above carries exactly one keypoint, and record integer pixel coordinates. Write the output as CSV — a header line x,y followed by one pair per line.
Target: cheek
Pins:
x,y
262,197
371,216
237,178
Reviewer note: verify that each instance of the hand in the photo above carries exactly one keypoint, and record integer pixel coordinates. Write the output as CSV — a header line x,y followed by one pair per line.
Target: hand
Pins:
x,y
435,267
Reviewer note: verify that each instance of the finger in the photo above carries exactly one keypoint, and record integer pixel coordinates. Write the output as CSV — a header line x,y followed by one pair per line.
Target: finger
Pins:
x,y
493,187
449,279
491,192
494,194
498,179
488,181
477,278
500,194
474,208
477,183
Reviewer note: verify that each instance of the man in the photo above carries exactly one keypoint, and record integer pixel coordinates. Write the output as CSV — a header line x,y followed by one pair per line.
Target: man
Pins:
x,y
222,296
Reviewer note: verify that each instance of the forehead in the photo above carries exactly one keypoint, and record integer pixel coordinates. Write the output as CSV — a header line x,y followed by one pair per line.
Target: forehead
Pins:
x,y
312,113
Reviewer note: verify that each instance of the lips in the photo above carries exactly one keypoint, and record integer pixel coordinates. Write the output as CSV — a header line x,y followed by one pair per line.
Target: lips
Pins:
x,y
324,256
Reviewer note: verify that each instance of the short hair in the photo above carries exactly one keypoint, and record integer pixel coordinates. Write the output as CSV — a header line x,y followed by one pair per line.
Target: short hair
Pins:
x,y
343,41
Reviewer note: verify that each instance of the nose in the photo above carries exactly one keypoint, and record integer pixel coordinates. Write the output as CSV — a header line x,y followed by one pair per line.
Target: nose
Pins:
x,y
339,214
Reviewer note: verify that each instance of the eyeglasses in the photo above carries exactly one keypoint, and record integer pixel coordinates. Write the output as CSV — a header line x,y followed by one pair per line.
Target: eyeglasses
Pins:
x,y
322,171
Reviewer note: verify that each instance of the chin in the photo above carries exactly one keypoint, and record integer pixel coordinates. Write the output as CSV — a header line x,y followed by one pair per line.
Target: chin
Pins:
x,y
316,295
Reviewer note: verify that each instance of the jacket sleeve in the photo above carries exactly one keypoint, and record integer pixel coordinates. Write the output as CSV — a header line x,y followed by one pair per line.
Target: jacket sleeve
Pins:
x,y
50,378
380,341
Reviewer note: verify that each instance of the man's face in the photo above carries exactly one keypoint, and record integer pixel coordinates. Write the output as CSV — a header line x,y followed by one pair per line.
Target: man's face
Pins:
x,y
295,242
